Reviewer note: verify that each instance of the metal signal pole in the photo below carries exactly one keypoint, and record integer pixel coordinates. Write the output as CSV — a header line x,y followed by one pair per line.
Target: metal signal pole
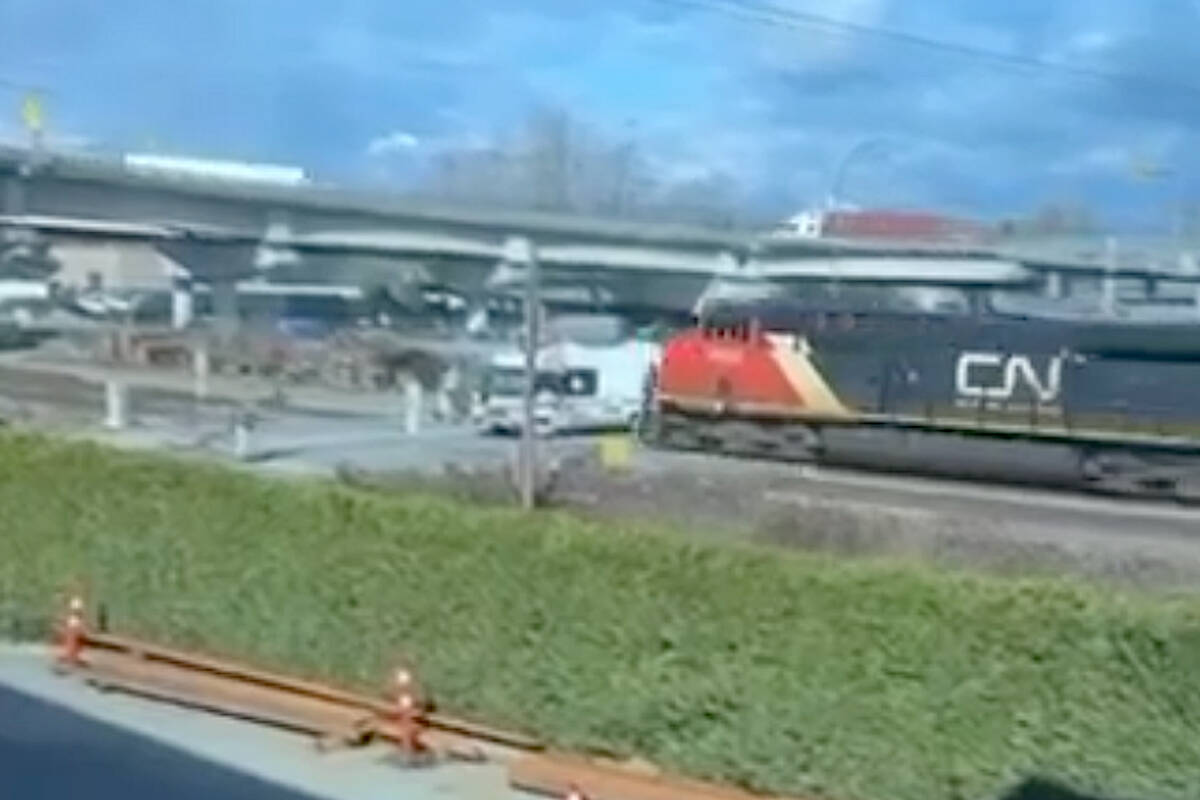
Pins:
x,y
521,249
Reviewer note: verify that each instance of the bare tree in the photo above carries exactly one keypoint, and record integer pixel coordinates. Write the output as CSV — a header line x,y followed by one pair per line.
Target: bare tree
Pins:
x,y
710,200
1059,218
556,163
550,158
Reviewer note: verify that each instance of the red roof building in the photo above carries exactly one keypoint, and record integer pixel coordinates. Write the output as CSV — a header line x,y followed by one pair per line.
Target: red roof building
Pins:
x,y
882,224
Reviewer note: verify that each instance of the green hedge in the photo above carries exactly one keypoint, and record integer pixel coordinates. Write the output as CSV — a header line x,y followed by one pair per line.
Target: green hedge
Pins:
x,y
864,681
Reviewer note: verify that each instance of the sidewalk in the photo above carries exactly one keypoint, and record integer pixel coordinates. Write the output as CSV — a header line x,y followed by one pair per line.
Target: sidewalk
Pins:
x,y
281,758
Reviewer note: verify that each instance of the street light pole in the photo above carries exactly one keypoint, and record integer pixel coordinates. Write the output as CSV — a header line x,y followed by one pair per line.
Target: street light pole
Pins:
x,y
839,173
1173,182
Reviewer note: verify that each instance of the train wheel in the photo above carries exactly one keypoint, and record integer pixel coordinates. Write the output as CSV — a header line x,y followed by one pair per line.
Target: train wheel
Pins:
x,y
680,433
645,427
742,438
801,443
1133,474
1111,472
1187,489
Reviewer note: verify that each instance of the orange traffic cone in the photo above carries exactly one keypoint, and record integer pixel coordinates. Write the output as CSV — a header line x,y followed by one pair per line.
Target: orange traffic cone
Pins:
x,y
71,636
407,714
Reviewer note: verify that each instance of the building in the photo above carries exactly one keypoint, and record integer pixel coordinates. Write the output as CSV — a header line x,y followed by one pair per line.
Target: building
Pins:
x,y
881,224
119,266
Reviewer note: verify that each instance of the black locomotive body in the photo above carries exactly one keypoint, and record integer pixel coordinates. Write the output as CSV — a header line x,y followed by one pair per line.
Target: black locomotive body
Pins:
x,y
1124,396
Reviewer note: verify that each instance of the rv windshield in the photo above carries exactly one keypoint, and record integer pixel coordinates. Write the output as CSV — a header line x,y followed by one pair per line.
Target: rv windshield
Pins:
x,y
510,382
580,382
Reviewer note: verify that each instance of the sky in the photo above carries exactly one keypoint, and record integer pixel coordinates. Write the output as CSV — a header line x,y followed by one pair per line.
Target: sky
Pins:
x,y
369,91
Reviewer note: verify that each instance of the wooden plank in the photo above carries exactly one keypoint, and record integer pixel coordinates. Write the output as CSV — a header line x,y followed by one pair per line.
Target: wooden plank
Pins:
x,y
555,775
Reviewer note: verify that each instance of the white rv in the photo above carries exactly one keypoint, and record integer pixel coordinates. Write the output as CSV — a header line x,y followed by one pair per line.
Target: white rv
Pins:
x,y
578,388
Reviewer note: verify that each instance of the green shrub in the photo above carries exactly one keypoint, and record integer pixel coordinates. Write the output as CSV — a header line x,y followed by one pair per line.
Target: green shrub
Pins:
x,y
793,673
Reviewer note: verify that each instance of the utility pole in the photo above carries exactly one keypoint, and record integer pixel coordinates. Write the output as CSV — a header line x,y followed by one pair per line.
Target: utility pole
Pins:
x,y
519,249
860,147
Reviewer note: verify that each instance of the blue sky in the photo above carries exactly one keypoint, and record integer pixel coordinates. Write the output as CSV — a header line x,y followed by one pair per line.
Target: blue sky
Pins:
x,y
368,90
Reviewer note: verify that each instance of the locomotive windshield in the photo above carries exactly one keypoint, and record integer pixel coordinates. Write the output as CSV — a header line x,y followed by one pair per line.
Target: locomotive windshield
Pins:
x,y
580,382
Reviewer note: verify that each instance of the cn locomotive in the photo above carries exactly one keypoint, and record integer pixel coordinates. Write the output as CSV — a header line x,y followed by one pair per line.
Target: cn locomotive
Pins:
x,y
774,378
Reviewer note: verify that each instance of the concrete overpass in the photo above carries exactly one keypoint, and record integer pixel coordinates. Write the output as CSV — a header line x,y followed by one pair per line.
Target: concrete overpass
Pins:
x,y
224,231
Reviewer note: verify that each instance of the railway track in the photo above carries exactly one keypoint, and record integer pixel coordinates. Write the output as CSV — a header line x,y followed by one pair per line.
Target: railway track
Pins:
x,y
1000,461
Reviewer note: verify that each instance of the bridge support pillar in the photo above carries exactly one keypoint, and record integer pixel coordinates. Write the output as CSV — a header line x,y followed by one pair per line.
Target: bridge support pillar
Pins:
x,y
1054,285
12,203
14,196
1108,293
1189,264
225,307
182,304
1108,283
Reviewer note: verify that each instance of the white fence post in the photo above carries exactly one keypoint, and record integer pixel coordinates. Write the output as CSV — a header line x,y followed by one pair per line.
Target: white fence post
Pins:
x,y
412,405
115,405
200,370
241,437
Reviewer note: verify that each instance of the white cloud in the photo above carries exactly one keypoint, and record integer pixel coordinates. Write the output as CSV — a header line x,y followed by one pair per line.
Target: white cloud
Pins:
x,y
1104,158
1081,47
392,143
1090,41
1137,150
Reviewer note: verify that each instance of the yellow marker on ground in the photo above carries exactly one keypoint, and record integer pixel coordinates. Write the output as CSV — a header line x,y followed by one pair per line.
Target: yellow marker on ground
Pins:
x,y
616,451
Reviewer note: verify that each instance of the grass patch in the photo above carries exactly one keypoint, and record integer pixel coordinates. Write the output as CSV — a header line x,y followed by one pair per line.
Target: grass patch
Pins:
x,y
787,672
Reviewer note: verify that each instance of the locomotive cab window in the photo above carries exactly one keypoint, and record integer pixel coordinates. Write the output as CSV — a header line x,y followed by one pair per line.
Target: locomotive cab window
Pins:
x,y
510,382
